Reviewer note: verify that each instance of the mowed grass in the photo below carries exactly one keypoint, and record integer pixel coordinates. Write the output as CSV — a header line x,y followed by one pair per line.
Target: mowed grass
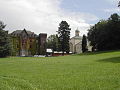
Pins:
x,y
96,71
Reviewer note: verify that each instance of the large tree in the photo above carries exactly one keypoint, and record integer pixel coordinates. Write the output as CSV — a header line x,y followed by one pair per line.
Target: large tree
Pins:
x,y
53,43
105,35
64,36
84,44
4,41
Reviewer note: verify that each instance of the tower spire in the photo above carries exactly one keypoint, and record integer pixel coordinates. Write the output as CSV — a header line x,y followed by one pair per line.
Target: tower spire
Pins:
x,y
77,32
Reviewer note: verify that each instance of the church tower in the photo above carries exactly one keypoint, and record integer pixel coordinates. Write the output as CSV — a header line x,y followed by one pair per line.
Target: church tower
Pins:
x,y
77,32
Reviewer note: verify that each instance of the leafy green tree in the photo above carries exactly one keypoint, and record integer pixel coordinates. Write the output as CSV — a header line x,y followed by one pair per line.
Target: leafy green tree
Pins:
x,y
53,43
105,35
64,36
84,44
4,41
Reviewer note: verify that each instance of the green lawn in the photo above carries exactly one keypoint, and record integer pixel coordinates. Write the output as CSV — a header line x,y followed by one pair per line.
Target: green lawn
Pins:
x,y
99,71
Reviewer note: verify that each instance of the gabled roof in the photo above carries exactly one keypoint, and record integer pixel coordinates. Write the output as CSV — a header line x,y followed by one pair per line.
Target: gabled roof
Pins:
x,y
76,37
18,33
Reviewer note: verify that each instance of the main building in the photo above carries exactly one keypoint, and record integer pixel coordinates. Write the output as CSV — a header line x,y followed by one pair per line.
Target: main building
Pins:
x,y
27,43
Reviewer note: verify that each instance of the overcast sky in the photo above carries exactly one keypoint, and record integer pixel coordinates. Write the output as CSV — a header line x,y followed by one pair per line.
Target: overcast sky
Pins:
x,y
44,16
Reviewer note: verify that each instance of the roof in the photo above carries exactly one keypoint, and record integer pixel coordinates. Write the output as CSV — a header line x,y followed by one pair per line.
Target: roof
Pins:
x,y
29,32
76,37
77,30
49,50
18,33
61,52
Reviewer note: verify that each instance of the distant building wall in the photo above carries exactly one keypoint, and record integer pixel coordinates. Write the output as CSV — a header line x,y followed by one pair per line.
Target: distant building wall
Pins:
x,y
26,43
15,46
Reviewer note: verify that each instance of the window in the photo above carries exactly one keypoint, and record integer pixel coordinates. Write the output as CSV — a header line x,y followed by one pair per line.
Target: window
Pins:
x,y
30,46
17,46
30,40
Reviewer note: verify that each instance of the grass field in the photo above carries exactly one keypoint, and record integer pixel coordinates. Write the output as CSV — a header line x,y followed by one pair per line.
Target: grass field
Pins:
x,y
96,71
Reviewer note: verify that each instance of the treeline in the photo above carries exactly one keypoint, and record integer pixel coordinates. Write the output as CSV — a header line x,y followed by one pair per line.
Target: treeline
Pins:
x,y
105,35
59,42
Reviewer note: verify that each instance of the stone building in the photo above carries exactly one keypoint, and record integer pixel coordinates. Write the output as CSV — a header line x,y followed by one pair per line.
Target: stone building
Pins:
x,y
76,43
42,44
27,43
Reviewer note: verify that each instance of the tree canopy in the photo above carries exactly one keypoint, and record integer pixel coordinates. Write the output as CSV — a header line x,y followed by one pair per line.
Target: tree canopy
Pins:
x,y
53,43
105,35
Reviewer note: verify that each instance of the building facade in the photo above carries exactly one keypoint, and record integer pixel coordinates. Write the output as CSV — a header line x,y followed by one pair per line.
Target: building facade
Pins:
x,y
27,43
76,43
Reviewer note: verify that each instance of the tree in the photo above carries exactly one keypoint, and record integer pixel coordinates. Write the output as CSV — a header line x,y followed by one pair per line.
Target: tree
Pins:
x,y
64,36
4,41
52,42
84,44
96,35
105,35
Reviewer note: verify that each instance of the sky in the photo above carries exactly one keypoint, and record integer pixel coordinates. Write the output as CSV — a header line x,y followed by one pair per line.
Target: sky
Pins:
x,y
44,16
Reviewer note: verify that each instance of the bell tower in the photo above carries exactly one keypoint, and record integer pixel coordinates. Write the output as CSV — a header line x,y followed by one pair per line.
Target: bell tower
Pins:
x,y
77,32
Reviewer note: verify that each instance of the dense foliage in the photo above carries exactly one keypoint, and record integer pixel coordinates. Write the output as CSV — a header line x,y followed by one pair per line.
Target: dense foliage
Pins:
x,y
4,41
64,36
53,42
105,35
84,44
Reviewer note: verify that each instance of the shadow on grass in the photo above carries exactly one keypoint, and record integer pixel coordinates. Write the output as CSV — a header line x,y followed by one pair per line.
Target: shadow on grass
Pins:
x,y
113,60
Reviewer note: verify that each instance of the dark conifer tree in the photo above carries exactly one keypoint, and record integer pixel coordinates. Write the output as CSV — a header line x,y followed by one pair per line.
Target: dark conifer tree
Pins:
x,y
4,41
64,36
84,44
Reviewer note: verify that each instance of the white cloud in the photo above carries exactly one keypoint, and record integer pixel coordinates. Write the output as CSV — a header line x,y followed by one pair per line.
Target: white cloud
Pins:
x,y
112,1
41,16
112,10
